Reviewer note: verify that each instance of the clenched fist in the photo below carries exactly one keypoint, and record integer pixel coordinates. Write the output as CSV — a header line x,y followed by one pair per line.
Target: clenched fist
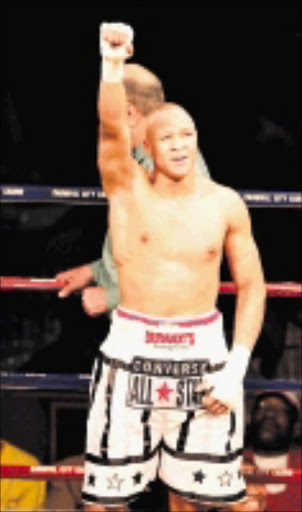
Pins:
x,y
116,41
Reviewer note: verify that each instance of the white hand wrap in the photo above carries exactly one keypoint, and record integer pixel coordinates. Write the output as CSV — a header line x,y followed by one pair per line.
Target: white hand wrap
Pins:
x,y
227,382
114,56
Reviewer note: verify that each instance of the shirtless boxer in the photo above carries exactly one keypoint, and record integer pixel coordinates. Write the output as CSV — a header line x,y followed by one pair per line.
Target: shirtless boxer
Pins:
x,y
166,394
144,93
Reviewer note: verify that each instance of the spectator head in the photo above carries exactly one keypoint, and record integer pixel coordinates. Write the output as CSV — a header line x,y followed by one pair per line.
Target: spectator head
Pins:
x,y
143,88
273,417
144,94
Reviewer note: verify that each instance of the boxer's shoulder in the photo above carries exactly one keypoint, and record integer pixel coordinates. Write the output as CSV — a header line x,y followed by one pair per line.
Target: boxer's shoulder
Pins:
x,y
217,191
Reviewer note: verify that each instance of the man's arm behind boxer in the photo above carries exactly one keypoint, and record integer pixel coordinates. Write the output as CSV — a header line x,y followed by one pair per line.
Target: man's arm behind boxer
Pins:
x,y
74,279
95,299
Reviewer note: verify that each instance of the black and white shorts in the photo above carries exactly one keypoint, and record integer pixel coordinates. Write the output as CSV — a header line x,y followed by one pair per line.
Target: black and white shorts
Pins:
x,y
146,418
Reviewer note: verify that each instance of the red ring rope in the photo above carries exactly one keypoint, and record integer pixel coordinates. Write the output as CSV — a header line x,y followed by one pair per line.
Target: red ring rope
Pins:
x,y
42,472
282,289
77,472
8,284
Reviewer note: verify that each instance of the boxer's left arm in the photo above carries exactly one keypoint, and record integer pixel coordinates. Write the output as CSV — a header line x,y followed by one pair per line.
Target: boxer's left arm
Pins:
x,y
246,270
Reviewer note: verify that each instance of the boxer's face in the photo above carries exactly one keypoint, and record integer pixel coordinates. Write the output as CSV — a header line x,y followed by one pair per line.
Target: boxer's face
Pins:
x,y
271,425
172,142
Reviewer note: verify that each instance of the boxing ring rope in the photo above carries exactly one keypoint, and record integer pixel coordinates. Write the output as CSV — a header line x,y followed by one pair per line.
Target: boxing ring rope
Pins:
x,y
93,195
13,284
80,382
292,476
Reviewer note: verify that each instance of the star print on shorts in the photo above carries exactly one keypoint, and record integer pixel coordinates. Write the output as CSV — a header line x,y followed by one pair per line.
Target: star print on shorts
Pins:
x,y
225,479
91,479
115,482
199,476
137,478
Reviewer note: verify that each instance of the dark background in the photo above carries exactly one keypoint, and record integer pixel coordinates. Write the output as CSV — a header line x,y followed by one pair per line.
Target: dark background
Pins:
x,y
233,65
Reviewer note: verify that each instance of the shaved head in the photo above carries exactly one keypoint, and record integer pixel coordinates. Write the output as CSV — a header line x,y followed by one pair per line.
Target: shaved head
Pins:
x,y
171,141
143,88
168,112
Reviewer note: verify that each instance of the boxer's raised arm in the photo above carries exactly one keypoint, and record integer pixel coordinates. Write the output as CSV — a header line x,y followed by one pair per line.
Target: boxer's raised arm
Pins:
x,y
114,149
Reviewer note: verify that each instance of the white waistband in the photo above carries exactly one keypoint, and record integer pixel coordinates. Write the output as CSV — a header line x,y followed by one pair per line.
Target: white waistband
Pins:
x,y
204,319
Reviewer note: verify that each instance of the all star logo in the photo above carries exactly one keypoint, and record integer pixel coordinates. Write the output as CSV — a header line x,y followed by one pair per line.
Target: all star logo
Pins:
x,y
166,383
170,393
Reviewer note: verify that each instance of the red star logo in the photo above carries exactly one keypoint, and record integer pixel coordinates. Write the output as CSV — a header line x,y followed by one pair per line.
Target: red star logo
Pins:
x,y
163,392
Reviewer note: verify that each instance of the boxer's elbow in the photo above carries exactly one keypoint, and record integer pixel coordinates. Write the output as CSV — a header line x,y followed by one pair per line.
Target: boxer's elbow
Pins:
x,y
252,288
110,130
249,276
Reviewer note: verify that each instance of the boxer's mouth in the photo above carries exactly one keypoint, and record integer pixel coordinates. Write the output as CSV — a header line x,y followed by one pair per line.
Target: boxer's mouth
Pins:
x,y
180,159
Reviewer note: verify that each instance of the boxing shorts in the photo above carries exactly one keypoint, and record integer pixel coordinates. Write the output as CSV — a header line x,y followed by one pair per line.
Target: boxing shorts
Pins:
x,y
146,418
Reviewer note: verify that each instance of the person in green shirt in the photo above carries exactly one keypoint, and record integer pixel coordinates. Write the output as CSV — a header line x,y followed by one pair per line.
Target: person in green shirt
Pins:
x,y
144,93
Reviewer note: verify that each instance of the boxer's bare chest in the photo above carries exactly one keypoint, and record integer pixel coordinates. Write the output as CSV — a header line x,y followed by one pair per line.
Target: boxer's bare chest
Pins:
x,y
188,228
